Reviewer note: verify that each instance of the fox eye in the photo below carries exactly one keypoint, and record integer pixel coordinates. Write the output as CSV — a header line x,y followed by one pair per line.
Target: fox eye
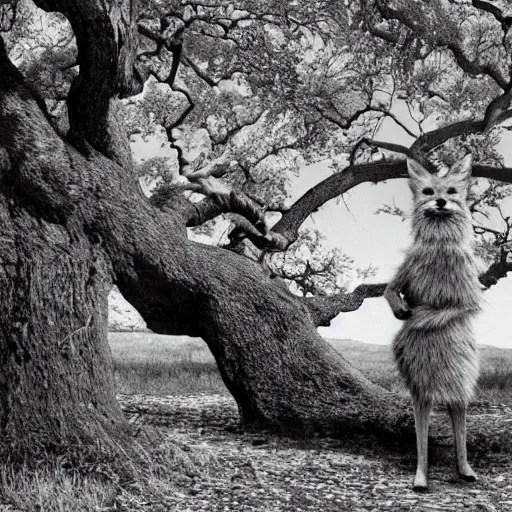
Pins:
x,y
452,190
428,191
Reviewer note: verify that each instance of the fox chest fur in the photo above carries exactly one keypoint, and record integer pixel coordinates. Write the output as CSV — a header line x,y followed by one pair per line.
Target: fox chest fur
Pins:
x,y
441,275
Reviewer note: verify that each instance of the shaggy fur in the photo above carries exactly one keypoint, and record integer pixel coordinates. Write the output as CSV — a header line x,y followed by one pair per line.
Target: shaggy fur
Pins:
x,y
437,292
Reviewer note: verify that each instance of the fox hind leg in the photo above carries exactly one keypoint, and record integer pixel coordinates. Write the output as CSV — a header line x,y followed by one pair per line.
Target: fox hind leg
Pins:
x,y
458,417
421,418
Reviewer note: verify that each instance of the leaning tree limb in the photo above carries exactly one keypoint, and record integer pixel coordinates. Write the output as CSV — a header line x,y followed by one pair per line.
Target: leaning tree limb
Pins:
x,y
341,182
324,308
332,187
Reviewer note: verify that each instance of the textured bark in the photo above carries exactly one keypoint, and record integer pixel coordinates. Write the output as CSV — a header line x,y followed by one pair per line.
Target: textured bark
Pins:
x,y
107,44
131,75
57,386
56,381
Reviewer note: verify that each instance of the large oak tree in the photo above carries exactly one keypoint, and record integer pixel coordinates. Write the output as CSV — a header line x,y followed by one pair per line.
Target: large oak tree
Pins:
x,y
74,220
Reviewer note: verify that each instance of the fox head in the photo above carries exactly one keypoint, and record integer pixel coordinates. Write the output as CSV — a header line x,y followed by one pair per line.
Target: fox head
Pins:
x,y
441,197
441,213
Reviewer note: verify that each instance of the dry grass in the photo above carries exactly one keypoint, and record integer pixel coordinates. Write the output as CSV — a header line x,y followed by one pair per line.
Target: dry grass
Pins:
x,y
163,365
51,486
173,365
52,489
145,363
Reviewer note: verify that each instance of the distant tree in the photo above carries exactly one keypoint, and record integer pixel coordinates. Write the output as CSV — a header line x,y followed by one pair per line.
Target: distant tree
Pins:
x,y
321,76
312,269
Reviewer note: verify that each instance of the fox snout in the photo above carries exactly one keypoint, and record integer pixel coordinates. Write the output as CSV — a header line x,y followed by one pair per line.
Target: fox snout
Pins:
x,y
438,207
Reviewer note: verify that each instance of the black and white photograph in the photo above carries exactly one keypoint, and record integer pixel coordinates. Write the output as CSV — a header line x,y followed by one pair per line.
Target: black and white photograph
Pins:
x,y
254,255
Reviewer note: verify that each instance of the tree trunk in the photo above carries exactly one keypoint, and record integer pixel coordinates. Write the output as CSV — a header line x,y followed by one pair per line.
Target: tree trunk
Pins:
x,y
57,386
280,371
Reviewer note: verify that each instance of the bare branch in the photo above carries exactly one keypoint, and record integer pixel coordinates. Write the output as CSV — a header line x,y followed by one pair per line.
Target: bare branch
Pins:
x,y
334,186
233,202
324,308
479,230
169,80
197,70
388,146
339,121
389,114
497,111
268,207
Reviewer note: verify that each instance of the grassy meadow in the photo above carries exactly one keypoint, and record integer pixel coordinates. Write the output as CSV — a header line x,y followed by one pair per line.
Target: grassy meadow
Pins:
x,y
163,365
177,365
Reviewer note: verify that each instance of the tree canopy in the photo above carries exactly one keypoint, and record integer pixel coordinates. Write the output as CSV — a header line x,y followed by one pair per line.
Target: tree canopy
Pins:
x,y
249,92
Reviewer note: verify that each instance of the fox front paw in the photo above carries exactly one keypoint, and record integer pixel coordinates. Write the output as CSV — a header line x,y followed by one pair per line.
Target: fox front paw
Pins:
x,y
403,312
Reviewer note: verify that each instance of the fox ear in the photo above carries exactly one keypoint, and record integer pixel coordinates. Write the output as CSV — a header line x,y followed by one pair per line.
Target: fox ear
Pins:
x,y
461,169
416,171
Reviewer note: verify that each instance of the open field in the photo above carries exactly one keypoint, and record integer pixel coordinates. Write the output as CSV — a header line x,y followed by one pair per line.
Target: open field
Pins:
x,y
163,365
179,365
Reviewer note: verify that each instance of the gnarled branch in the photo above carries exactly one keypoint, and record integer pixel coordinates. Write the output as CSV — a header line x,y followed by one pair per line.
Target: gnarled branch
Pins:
x,y
324,308
416,25
88,100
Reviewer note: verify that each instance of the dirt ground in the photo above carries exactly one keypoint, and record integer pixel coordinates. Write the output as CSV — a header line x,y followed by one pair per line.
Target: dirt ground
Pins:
x,y
258,472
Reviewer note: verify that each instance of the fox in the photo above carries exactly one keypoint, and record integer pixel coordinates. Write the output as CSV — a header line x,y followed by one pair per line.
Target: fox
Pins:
x,y
436,292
